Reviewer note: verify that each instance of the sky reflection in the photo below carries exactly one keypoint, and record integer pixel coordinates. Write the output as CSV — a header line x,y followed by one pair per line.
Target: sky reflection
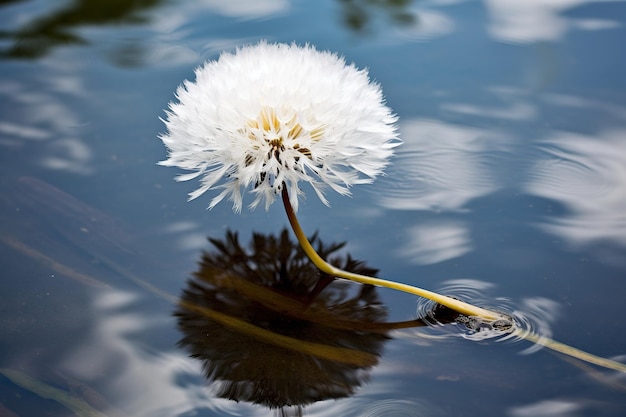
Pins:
x,y
39,113
242,9
539,20
512,105
138,379
587,175
548,408
436,242
441,166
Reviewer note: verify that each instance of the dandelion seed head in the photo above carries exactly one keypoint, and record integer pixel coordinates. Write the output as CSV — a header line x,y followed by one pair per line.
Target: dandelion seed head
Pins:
x,y
274,115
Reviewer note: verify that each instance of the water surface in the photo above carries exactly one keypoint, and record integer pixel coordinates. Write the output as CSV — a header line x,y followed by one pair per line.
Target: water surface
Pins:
x,y
509,191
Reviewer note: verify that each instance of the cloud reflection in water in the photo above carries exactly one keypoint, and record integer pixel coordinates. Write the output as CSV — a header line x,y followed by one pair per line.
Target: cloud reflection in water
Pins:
x,y
538,20
547,408
138,380
587,174
38,120
245,9
436,242
440,166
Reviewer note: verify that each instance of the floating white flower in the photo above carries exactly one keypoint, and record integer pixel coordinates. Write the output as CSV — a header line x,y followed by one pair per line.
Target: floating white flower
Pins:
x,y
274,114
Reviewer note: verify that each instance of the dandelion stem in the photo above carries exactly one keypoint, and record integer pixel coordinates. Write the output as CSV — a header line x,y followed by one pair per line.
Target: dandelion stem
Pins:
x,y
570,350
452,303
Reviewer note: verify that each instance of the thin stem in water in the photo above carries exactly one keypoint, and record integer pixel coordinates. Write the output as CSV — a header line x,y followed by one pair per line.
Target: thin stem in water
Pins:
x,y
452,303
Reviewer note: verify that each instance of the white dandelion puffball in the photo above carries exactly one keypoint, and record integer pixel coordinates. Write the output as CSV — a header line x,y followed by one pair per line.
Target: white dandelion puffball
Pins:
x,y
274,114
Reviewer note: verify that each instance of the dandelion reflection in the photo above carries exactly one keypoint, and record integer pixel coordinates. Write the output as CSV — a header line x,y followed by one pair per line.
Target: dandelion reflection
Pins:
x,y
271,330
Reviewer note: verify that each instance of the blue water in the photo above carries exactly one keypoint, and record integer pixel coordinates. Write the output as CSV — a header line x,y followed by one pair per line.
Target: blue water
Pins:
x,y
509,191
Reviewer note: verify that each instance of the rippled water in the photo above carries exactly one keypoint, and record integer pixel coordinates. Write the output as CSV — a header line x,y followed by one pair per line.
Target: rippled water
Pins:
x,y
509,191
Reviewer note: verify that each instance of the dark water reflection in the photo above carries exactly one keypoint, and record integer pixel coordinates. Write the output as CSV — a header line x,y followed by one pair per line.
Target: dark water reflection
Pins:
x,y
360,15
509,191
255,321
37,37
270,330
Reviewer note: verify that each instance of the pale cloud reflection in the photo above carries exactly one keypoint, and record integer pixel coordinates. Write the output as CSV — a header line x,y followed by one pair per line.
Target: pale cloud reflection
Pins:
x,y
547,408
246,9
140,380
69,154
380,396
430,24
518,110
436,242
175,46
441,166
587,174
170,51
515,21
11,133
526,21
38,121
174,17
576,102
187,236
512,105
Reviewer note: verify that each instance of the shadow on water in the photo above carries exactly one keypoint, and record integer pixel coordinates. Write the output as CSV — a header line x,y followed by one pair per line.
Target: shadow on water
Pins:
x,y
271,329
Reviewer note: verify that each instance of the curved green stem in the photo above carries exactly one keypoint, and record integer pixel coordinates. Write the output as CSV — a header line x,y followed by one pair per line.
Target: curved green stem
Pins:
x,y
569,350
452,303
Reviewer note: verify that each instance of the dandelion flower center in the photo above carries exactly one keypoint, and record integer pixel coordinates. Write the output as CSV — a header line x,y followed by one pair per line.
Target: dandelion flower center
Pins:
x,y
279,135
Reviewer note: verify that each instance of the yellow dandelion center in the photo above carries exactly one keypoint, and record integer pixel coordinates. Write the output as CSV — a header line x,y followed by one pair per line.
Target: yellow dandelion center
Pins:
x,y
279,135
